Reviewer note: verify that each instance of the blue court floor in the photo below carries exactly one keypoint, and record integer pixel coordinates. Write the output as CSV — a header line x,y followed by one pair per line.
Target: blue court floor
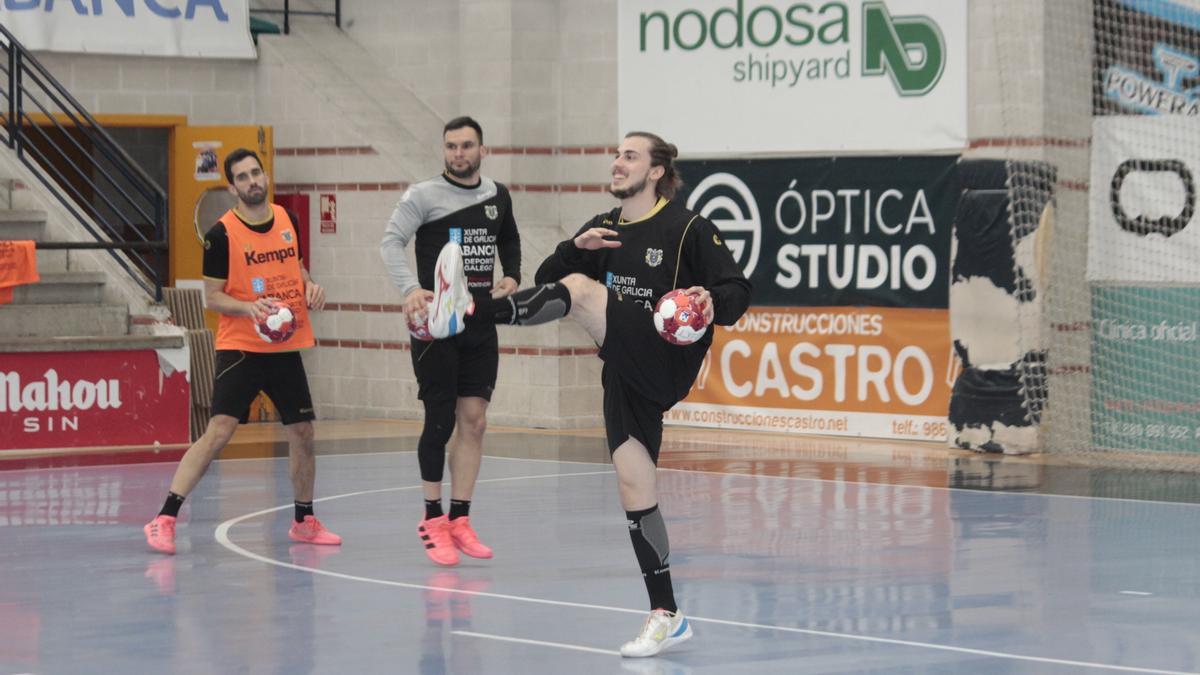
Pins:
x,y
779,573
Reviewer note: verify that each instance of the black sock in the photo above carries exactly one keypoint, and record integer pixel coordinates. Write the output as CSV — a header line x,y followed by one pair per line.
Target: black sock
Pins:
x,y
303,509
540,304
460,508
433,508
171,506
648,533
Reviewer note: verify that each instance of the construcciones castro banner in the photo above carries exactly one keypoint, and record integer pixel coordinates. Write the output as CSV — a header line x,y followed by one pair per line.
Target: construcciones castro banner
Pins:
x,y
850,331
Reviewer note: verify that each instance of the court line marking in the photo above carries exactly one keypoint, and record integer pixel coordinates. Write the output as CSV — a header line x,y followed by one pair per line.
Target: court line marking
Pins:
x,y
221,534
539,643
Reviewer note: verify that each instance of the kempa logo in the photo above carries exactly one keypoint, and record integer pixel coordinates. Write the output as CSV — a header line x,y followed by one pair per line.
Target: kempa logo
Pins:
x,y
741,225
910,49
278,255
888,42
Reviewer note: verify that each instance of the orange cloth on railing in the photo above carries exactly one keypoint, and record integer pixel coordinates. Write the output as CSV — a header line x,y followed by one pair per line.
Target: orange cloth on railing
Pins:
x,y
18,265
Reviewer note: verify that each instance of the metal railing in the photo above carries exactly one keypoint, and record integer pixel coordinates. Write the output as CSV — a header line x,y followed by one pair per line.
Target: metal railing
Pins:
x,y
288,13
83,167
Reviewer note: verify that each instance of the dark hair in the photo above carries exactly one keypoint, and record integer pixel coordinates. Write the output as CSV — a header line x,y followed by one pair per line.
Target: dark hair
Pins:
x,y
235,157
662,154
464,121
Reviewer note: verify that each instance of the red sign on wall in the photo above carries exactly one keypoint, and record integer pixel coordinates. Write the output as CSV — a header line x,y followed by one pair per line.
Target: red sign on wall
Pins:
x,y
90,399
329,213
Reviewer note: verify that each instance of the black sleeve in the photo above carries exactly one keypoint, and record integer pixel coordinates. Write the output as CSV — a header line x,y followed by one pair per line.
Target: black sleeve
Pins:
x,y
711,262
508,242
216,253
567,259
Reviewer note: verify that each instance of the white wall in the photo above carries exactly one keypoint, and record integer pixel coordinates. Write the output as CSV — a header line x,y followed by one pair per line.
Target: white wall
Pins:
x,y
541,77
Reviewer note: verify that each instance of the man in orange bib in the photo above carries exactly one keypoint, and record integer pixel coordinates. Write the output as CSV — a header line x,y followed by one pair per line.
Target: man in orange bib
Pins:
x,y
251,259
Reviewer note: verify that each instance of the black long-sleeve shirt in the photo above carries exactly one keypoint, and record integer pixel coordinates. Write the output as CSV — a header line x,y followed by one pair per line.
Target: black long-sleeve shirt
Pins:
x,y
670,248
439,210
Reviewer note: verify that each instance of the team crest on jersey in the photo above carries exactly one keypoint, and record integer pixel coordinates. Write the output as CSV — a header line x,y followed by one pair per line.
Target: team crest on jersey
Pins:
x,y
654,257
491,211
258,285
287,236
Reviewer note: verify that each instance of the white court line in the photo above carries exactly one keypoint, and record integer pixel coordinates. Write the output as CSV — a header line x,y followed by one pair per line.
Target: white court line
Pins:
x,y
222,536
539,643
1135,593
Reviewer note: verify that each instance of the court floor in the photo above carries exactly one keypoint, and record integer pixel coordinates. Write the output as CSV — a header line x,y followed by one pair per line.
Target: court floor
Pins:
x,y
789,555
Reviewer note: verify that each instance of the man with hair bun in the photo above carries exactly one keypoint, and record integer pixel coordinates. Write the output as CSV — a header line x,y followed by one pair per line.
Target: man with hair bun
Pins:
x,y
608,277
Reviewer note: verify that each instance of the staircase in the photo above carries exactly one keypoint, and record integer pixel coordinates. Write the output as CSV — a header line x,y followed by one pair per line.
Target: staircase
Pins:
x,y
65,303
94,321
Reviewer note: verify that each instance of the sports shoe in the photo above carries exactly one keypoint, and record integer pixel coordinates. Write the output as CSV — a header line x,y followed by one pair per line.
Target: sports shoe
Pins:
x,y
451,298
465,539
311,531
663,630
435,535
160,534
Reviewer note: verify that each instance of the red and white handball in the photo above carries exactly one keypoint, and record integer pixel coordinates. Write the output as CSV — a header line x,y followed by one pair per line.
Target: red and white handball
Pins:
x,y
679,319
419,328
279,324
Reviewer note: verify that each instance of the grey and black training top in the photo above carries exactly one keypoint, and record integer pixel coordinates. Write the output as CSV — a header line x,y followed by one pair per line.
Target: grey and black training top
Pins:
x,y
439,210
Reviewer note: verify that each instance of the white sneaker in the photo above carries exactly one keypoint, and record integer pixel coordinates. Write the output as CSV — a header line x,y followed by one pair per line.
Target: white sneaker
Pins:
x,y
452,299
663,630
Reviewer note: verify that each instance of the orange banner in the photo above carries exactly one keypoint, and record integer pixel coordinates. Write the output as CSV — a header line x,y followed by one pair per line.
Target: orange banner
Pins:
x,y
852,371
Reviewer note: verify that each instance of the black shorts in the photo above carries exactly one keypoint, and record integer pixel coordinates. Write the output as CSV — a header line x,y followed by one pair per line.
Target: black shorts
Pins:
x,y
644,375
464,365
241,375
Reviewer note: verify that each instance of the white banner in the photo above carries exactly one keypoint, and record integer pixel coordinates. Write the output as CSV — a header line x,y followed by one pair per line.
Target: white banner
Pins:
x,y
745,76
198,28
1143,199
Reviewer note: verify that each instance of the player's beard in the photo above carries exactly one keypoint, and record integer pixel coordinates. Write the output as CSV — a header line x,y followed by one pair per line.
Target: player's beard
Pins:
x,y
627,192
471,170
252,198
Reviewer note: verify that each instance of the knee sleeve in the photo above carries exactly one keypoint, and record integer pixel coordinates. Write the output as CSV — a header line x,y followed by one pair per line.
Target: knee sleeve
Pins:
x,y
431,448
648,533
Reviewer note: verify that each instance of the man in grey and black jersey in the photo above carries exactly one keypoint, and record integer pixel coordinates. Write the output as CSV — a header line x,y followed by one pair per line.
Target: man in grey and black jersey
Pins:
x,y
608,277
455,377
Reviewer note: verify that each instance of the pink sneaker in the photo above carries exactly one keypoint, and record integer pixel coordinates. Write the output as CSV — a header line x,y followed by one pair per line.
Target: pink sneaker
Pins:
x,y
435,535
466,540
160,534
311,531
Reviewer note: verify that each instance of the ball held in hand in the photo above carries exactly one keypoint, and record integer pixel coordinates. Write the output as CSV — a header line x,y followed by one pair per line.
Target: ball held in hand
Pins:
x,y
279,324
679,319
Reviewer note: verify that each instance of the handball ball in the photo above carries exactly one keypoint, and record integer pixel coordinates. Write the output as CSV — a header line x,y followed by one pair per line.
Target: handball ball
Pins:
x,y
419,330
279,324
678,319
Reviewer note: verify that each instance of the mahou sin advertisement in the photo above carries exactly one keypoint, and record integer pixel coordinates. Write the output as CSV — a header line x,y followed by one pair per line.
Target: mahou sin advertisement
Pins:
x,y
849,332
91,399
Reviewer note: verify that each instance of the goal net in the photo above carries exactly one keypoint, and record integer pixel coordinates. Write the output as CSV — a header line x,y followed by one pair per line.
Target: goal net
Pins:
x,y
1100,100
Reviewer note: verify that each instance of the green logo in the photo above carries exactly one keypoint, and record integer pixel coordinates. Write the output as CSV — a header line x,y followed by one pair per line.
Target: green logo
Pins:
x,y
909,49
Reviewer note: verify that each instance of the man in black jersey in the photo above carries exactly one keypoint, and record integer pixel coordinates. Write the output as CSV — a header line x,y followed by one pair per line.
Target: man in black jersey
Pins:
x,y
609,277
455,377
